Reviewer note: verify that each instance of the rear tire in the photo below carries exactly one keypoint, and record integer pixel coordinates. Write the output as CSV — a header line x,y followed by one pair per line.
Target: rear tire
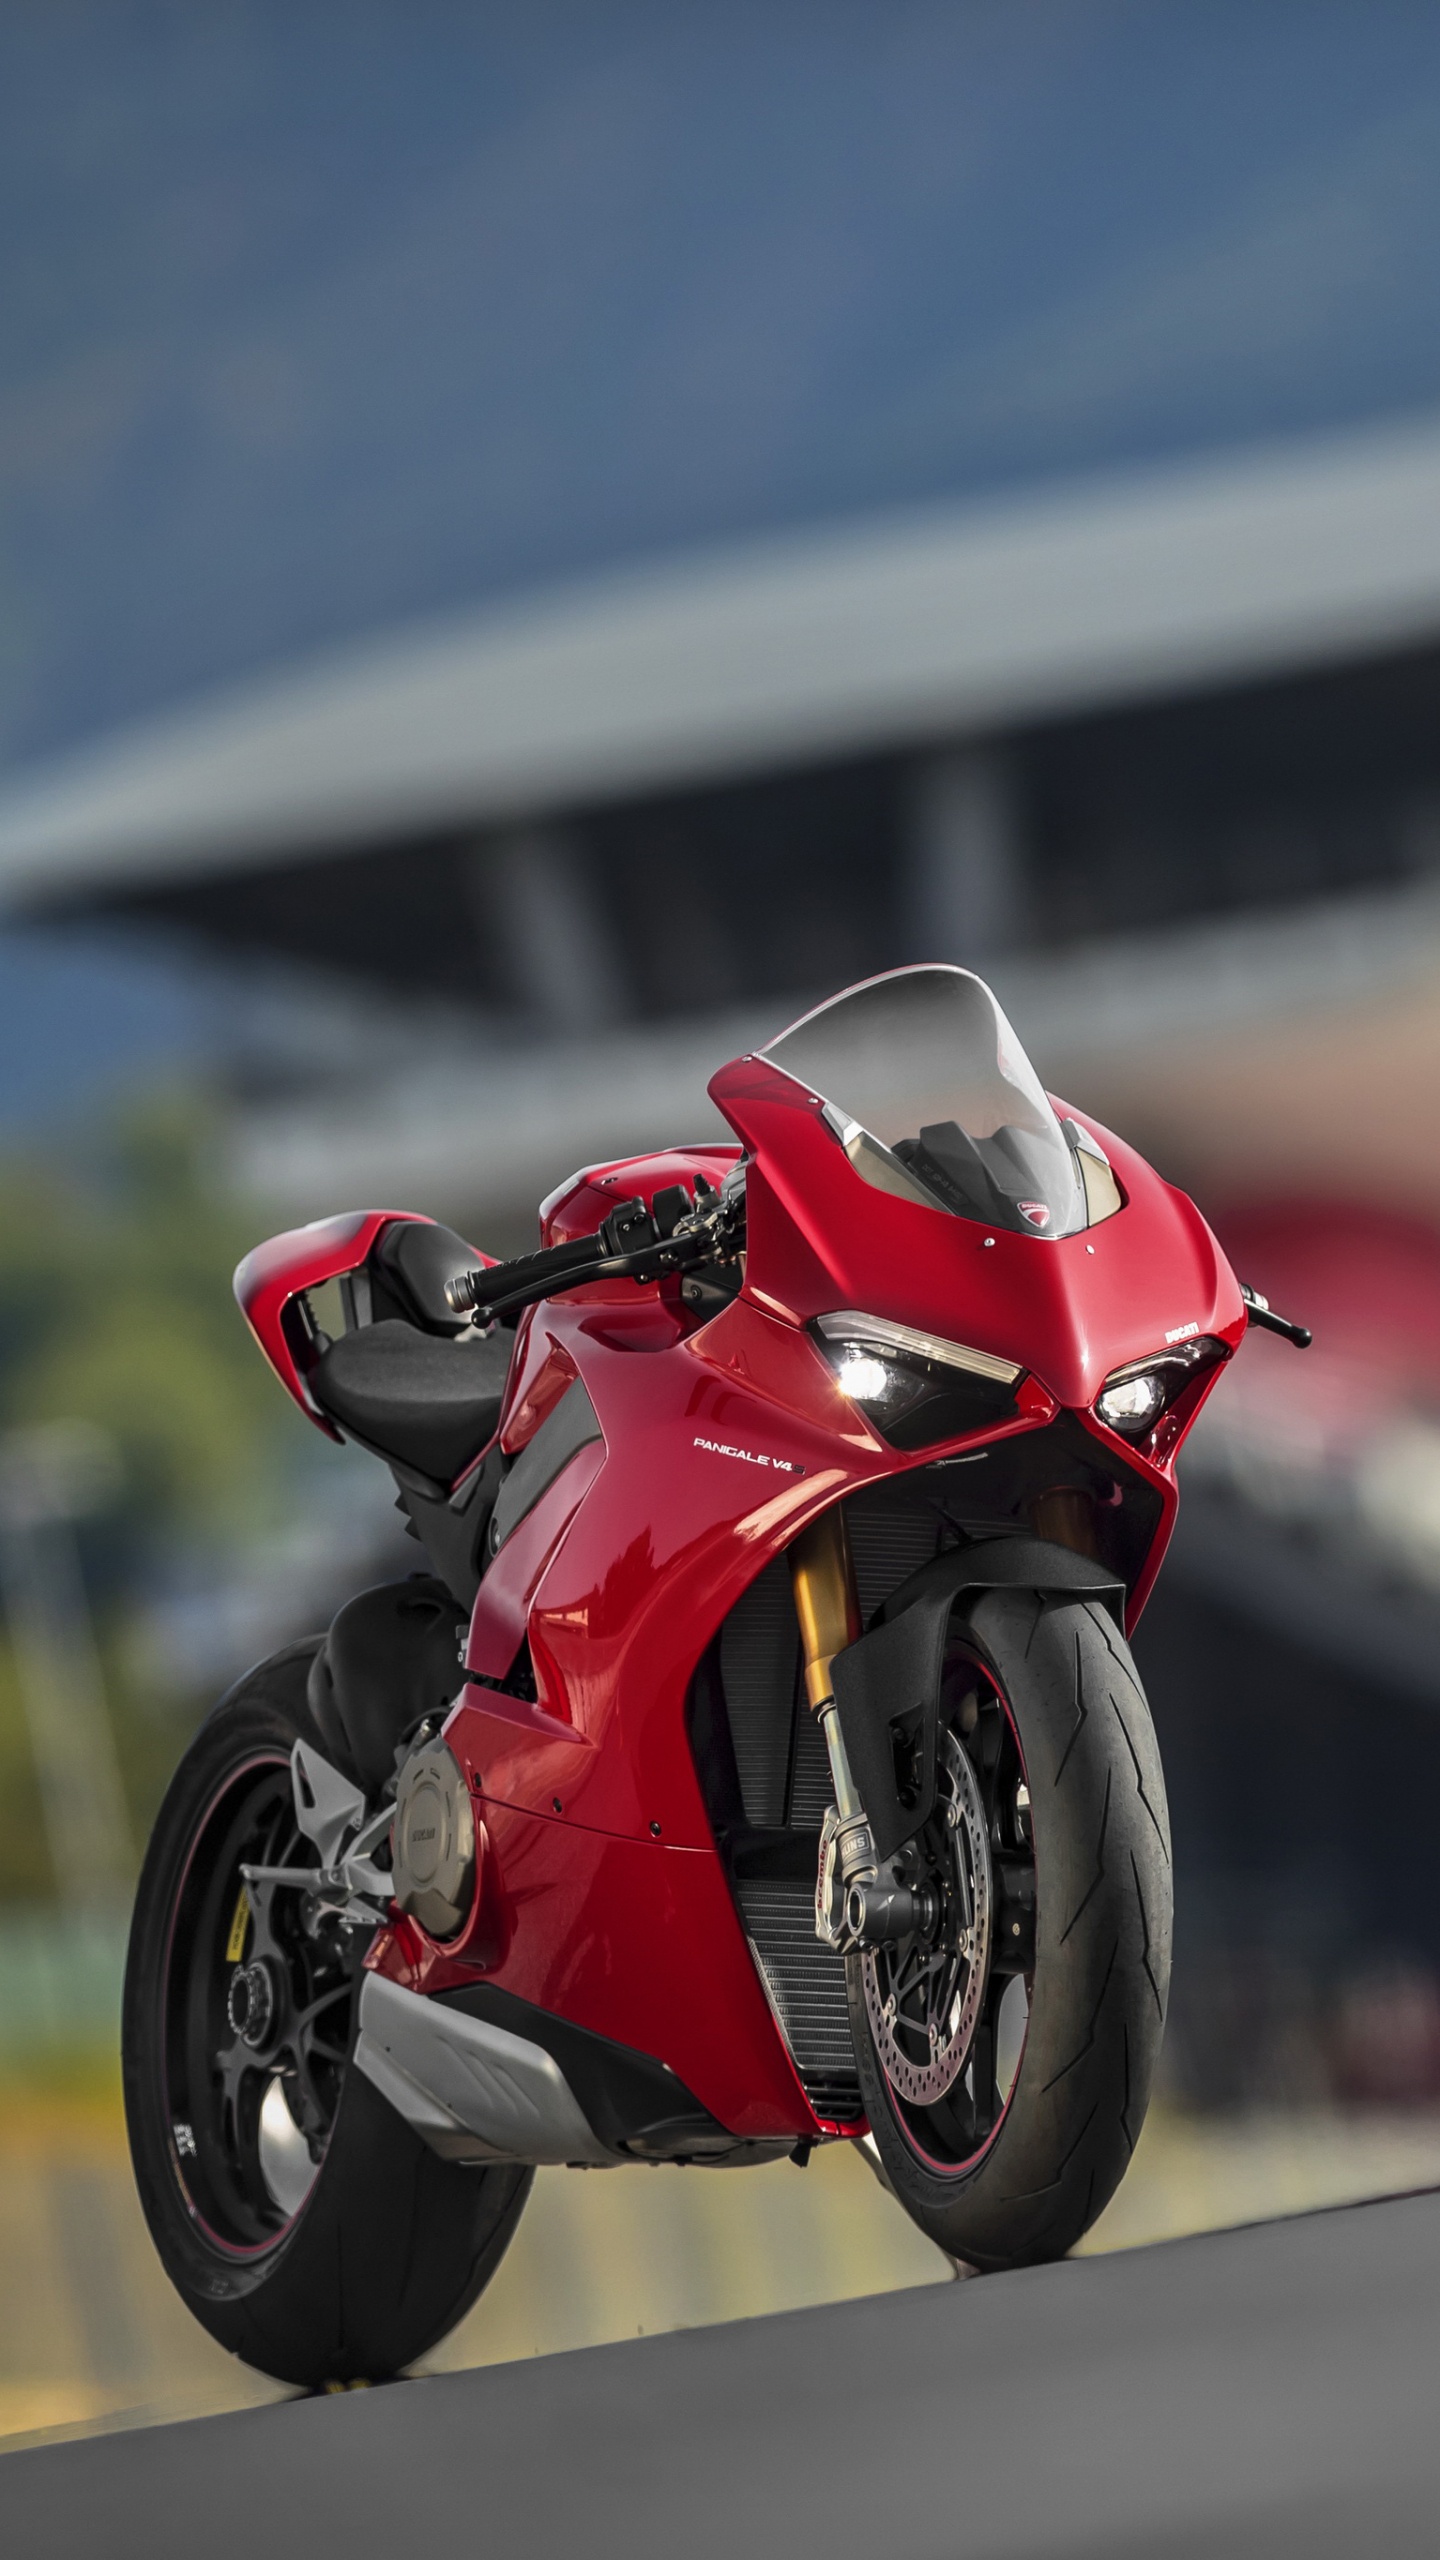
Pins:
x,y
1002,2176
299,2218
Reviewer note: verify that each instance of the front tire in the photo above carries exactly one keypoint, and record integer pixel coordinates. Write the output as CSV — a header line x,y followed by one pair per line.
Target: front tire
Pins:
x,y
299,2218
1056,1822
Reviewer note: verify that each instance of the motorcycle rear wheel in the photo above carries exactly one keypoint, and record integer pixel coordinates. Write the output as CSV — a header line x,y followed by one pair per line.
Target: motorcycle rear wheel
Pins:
x,y
299,2218
1013,2161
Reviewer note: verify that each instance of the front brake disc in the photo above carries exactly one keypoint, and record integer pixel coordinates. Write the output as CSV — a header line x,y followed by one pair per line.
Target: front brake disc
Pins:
x,y
923,1996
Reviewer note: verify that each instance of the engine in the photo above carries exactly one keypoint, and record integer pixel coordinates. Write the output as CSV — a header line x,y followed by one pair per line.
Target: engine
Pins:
x,y
434,1841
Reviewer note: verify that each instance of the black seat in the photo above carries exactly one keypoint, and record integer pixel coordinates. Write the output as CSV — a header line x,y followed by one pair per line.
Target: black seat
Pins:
x,y
429,1402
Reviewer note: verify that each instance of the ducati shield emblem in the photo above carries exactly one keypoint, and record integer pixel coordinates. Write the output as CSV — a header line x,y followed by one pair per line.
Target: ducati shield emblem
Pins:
x,y
1037,1211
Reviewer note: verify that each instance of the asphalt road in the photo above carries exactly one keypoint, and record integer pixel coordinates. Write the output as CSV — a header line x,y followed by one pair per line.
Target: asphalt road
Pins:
x,y
1265,2391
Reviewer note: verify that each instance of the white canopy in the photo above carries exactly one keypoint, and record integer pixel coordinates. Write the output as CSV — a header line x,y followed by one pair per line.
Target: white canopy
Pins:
x,y
930,626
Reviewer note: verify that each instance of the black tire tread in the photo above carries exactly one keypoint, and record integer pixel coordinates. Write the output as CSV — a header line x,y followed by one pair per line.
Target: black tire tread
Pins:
x,y
393,2245
1103,1930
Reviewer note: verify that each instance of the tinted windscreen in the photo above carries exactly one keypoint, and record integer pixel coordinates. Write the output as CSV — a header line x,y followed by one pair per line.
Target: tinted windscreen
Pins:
x,y
933,1098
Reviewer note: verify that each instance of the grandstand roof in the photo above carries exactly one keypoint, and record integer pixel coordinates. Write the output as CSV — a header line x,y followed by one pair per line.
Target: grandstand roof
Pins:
x,y
935,623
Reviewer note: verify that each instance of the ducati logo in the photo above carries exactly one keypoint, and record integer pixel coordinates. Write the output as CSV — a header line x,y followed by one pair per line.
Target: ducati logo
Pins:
x,y
1035,1210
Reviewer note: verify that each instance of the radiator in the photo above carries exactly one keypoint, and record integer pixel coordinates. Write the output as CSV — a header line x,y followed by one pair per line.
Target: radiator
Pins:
x,y
806,1983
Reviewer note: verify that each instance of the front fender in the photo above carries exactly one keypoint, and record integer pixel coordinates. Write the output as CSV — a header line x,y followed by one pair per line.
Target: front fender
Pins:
x,y
887,1684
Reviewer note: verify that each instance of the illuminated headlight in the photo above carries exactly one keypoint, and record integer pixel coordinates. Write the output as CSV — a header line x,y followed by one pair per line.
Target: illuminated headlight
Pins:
x,y
914,1387
865,1379
1133,1399
1132,1403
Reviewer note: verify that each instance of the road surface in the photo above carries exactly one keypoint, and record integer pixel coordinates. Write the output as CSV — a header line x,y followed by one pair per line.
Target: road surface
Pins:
x,y
1274,2390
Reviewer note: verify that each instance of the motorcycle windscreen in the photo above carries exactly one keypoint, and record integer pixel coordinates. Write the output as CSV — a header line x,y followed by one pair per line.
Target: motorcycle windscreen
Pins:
x,y
934,1099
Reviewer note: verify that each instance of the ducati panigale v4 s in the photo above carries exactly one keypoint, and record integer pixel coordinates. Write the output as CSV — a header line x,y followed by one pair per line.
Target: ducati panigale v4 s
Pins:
x,y
760,1760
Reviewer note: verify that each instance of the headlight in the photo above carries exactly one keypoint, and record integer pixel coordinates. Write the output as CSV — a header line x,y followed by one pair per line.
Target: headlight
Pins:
x,y
1132,1403
1133,1399
865,1379
914,1387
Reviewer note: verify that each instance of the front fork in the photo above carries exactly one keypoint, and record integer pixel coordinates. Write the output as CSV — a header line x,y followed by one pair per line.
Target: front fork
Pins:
x,y
823,1580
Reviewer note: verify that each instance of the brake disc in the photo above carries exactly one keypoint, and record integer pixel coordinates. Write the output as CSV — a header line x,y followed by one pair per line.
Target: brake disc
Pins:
x,y
923,1995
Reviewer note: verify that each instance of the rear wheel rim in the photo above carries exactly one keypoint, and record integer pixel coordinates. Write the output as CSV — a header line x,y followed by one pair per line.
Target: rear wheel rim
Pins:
x,y
258,2000
948,2058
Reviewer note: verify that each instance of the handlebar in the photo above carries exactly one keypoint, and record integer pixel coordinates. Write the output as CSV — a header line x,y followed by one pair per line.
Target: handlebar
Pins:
x,y
1260,1311
634,1243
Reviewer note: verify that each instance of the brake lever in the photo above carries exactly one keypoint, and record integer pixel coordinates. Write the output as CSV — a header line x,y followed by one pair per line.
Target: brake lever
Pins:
x,y
1260,1311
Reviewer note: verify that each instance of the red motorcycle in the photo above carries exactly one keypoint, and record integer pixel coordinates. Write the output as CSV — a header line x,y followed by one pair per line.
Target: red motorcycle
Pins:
x,y
760,1760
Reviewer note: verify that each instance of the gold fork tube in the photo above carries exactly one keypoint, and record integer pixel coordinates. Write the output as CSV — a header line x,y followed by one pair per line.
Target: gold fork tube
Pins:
x,y
822,1578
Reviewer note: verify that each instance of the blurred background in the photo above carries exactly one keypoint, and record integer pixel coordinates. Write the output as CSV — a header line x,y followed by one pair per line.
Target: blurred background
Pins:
x,y
534,544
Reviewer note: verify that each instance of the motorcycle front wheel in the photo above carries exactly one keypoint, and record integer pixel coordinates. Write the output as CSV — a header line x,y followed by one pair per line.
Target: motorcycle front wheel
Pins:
x,y
299,2218
1006,2051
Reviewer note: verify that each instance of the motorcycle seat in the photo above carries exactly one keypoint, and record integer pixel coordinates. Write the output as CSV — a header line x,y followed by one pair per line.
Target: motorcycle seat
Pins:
x,y
429,1402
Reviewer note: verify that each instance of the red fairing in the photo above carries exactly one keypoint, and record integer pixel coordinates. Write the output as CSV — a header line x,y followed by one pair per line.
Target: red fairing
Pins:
x,y
1069,1310
503,1607
621,1592
270,1279
579,1205
637,1941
